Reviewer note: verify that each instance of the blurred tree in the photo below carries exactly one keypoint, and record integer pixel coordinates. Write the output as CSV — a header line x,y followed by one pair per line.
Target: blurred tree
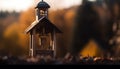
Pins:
x,y
6,19
17,42
11,44
26,18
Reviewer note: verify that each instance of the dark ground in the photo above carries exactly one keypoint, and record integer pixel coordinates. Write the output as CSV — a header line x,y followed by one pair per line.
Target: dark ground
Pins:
x,y
58,61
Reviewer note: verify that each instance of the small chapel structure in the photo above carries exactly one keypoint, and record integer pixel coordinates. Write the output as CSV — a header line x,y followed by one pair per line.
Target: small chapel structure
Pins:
x,y
42,33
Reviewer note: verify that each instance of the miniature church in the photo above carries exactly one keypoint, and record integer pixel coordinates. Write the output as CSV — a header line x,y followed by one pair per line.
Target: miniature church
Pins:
x,y
42,33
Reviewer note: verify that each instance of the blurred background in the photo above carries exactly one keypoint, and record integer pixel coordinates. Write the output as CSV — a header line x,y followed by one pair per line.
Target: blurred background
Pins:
x,y
17,15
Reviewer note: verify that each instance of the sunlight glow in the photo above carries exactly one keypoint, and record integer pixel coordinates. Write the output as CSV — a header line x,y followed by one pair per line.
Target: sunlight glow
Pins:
x,y
16,5
21,5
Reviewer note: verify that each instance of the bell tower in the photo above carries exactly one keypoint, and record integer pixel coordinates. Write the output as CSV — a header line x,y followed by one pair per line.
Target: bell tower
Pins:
x,y
41,10
42,33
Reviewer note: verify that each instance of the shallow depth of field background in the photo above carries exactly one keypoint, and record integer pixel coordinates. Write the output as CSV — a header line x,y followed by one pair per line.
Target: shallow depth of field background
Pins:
x,y
17,15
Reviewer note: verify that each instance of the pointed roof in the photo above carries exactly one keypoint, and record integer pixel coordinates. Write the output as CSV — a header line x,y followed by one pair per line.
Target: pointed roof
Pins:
x,y
42,4
43,23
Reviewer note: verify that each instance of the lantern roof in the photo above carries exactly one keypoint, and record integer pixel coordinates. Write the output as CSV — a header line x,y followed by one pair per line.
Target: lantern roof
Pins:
x,y
42,4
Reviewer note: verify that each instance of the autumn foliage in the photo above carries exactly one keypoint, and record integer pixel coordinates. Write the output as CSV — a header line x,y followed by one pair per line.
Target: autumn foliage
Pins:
x,y
16,42
17,39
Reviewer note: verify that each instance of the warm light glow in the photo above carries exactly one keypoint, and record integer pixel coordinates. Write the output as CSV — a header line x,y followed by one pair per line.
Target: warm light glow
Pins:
x,y
91,49
16,5
21,5
58,4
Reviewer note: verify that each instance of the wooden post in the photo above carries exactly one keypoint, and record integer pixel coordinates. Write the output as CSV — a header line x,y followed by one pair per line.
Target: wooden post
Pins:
x,y
32,49
36,10
51,41
37,14
54,43
34,42
31,45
